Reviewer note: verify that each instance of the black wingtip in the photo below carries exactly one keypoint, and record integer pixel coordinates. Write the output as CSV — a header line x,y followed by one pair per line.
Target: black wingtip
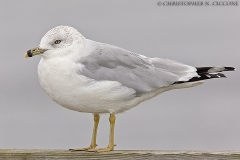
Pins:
x,y
230,69
220,75
205,76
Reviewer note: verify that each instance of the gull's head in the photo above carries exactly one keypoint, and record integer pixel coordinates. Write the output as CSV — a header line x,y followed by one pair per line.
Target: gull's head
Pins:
x,y
57,42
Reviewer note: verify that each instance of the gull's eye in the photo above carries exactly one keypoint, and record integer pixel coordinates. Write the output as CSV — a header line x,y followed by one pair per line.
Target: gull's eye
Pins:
x,y
57,41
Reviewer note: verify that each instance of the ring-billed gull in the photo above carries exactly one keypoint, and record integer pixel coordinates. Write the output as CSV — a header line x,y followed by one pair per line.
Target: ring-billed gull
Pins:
x,y
93,77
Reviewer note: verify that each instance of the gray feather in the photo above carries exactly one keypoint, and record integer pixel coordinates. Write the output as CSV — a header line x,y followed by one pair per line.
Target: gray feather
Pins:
x,y
107,62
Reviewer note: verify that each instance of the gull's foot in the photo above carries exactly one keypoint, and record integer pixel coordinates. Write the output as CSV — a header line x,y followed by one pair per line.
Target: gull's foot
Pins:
x,y
109,148
91,148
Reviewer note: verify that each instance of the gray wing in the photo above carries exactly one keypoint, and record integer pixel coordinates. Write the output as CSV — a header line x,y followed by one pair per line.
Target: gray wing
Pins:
x,y
111,63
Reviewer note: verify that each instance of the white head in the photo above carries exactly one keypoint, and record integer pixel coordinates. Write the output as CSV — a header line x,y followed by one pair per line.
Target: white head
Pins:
x,y
57,42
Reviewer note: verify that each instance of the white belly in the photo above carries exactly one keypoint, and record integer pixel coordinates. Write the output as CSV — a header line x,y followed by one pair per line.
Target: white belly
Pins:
x,y
60,80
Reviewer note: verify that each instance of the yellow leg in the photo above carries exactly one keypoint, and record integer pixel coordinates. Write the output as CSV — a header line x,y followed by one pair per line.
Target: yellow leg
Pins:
x,y
94,136
110,147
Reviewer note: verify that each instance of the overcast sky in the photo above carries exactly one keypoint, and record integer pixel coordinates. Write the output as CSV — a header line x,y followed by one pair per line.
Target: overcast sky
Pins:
x,y
205,117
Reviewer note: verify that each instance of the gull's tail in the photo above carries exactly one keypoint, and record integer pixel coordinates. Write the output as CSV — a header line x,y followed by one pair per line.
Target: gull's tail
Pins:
x,y
205,73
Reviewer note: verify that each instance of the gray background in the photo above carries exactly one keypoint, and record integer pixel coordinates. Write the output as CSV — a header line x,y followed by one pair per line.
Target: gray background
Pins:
x,y
204,117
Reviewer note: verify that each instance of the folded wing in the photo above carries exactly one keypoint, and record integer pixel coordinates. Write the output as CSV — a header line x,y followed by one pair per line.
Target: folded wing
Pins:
x,y
143,74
